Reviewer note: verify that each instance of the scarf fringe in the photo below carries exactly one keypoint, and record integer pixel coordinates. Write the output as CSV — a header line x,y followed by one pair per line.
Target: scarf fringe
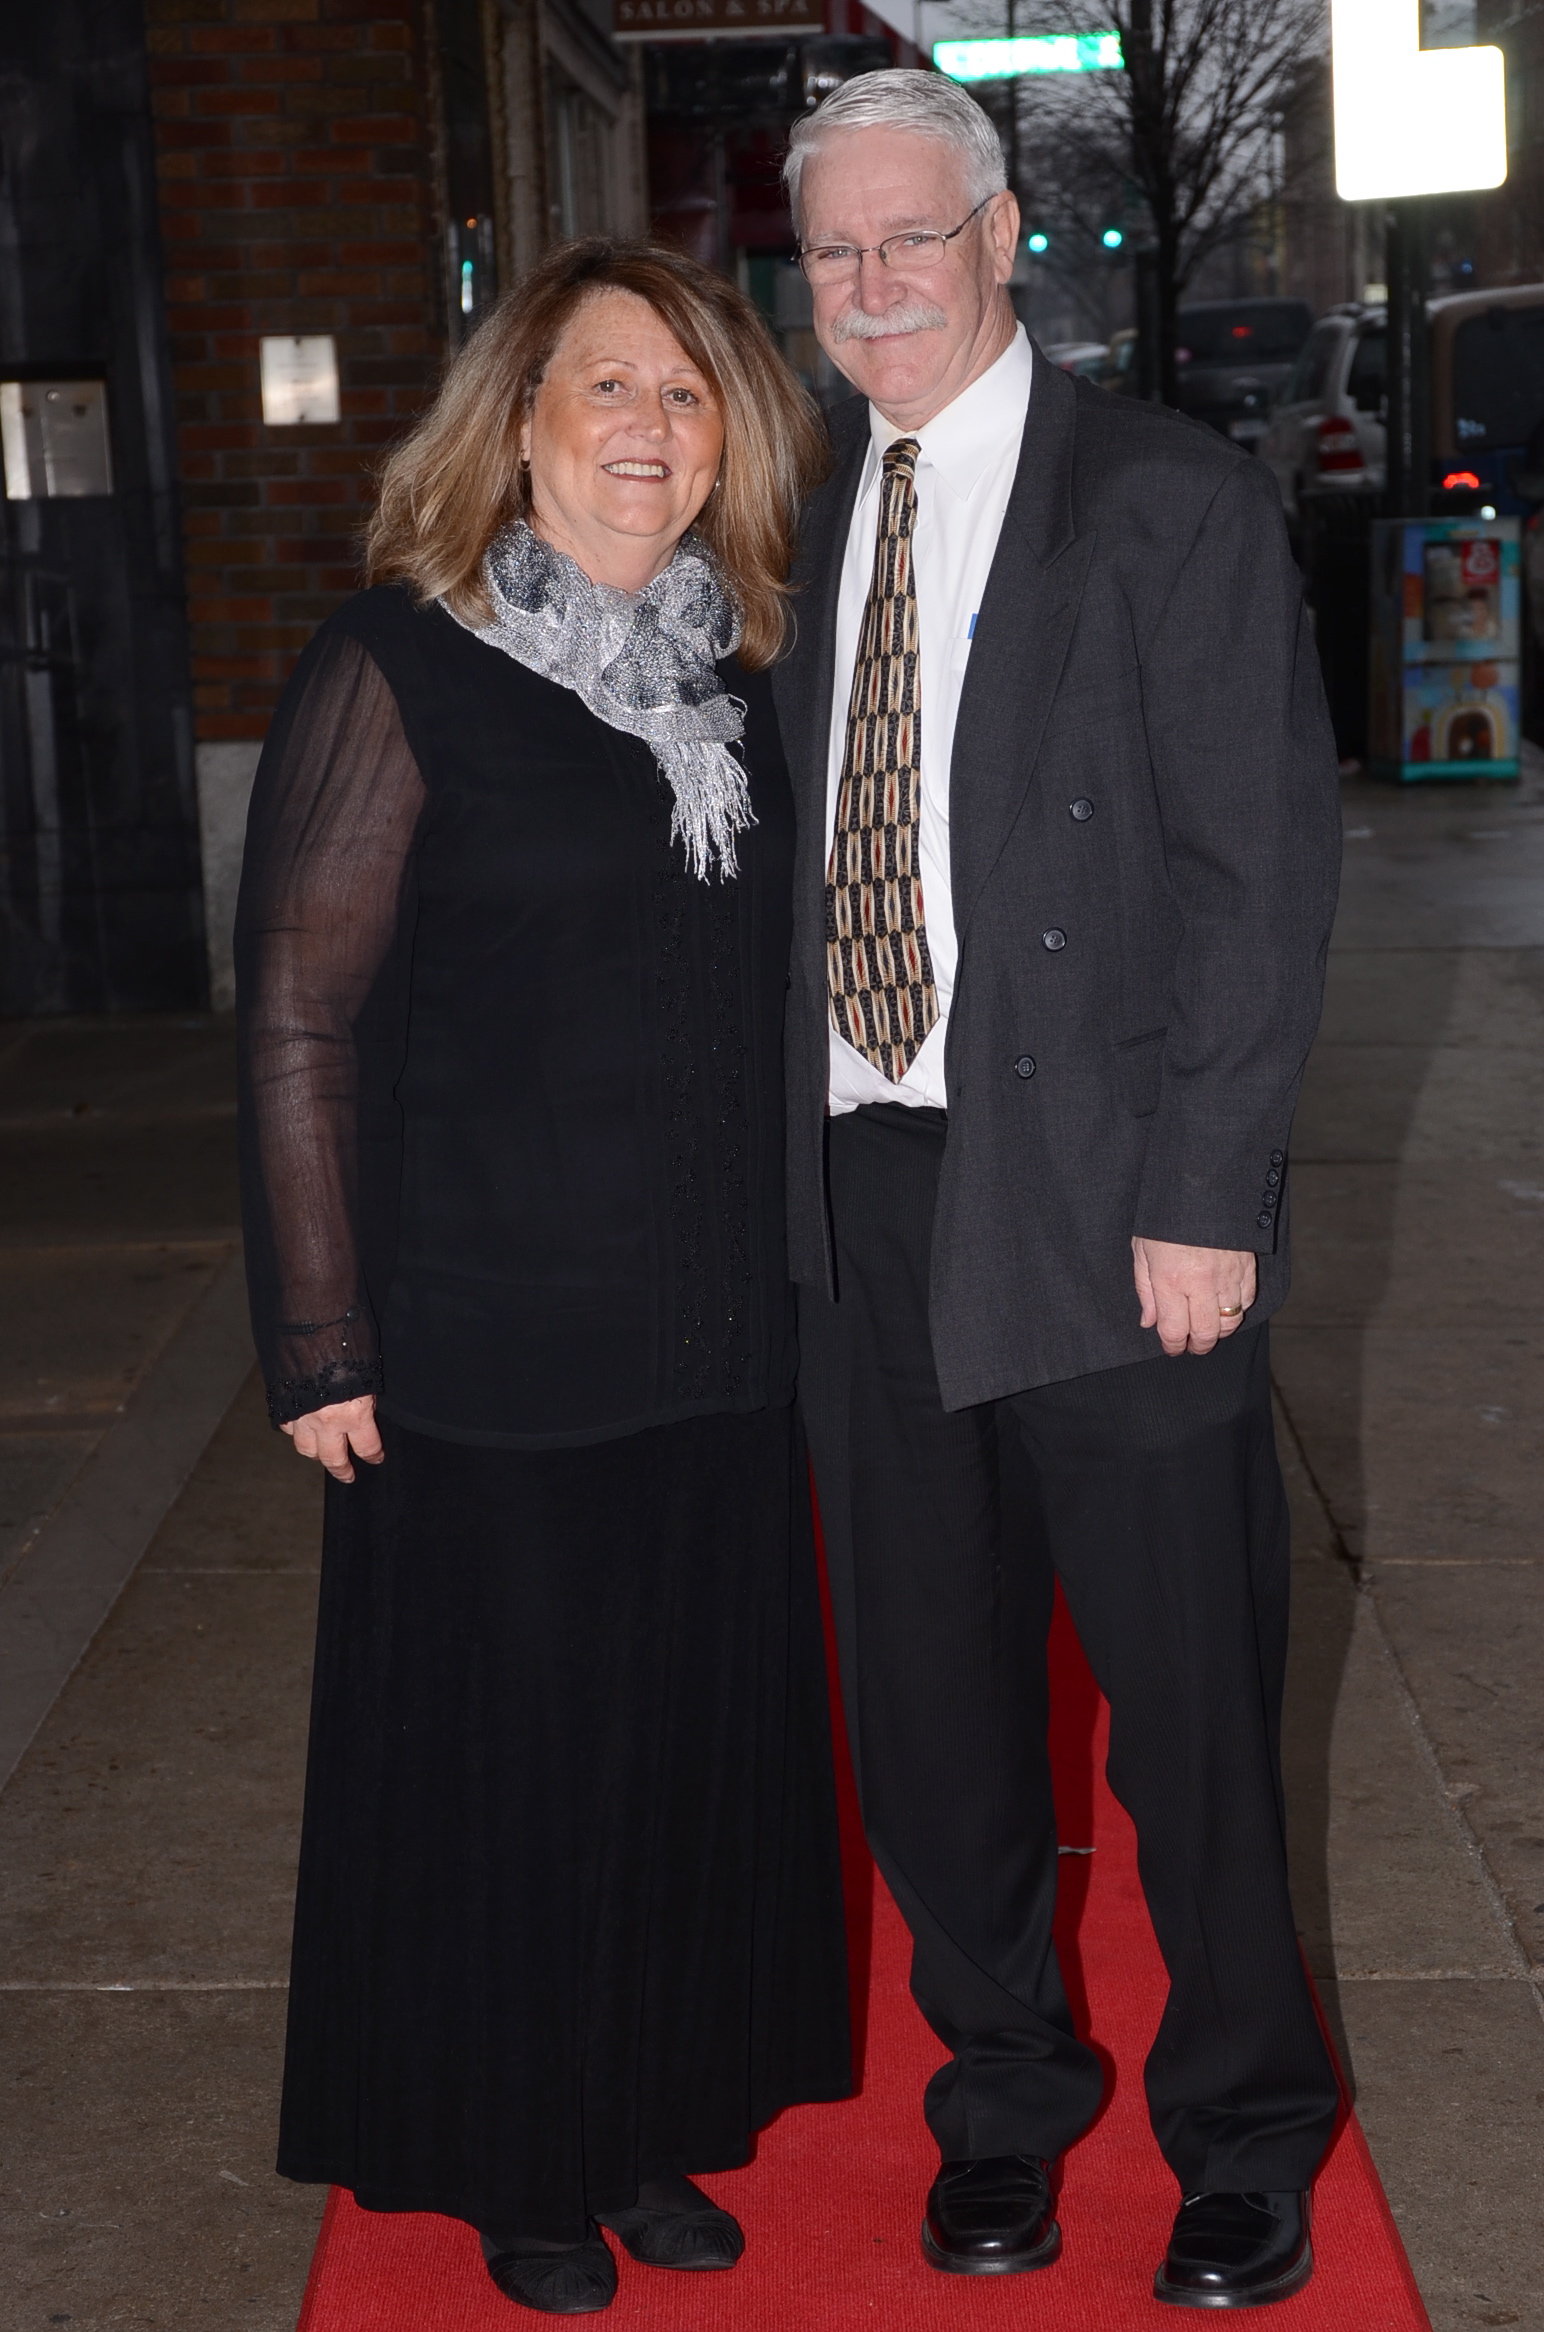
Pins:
x,y
712,805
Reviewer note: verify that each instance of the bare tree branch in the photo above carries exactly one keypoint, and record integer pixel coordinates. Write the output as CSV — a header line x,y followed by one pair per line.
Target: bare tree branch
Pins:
x,y
1182,144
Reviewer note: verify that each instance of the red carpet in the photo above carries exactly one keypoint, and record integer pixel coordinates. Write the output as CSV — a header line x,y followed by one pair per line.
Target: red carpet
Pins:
x,y
832,2202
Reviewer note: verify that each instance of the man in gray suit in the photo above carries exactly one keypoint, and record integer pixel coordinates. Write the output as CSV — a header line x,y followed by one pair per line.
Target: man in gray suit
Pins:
x,y
1066,869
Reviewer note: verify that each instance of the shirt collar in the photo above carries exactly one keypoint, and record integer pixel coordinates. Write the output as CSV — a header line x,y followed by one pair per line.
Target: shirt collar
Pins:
x,y
960,441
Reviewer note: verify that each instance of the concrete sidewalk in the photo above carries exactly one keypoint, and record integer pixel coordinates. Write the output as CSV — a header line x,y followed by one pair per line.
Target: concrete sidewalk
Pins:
x,y
1410,1364
147,1833
147,1837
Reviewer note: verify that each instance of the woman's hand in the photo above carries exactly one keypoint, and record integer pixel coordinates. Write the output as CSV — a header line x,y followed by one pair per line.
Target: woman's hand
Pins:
x,y
335,1435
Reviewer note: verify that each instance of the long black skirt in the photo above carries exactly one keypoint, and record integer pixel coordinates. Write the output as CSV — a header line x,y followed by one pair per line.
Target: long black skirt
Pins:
x,y
569,1913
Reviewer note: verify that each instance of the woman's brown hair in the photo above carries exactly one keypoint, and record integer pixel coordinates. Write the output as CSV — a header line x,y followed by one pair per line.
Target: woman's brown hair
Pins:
x,y
449,487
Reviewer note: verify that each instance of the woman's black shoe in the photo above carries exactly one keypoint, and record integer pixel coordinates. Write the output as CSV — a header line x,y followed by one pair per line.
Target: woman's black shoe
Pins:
x,y
574,2280
673,2224
992,2217
1236,2251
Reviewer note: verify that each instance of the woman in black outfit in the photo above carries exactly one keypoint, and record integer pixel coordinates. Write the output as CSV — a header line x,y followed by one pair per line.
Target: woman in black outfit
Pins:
x,y
512,947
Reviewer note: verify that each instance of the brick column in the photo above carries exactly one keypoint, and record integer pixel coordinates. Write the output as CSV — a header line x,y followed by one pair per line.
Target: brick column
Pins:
x,y
296,191
295,177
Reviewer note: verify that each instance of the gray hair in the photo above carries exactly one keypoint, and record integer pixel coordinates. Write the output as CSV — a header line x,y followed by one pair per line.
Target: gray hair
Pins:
x,y
928,103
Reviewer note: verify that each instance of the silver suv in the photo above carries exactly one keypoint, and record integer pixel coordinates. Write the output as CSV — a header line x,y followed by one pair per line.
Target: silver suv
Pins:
x,y
1327,443
1327,434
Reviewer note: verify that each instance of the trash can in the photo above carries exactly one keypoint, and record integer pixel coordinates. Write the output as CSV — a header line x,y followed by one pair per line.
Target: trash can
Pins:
x,y
1335,549
1446,647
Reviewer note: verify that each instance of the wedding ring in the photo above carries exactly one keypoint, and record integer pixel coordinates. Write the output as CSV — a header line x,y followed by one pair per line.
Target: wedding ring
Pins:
x,y
1230,1311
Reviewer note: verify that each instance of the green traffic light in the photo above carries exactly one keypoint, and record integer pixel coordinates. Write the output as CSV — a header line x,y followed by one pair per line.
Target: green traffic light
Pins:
x,y
1039,242
1112,238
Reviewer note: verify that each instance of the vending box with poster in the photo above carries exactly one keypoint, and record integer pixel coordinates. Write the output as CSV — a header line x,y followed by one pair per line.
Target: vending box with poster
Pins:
x,y
1445,648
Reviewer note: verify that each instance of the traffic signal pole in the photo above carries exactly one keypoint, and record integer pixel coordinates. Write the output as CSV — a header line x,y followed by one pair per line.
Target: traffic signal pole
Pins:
x,y
1149,323
1149,302
1409,367
1013,111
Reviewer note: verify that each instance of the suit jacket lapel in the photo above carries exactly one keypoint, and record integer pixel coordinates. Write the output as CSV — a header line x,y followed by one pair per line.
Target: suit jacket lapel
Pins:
x,y
803,681
1023,631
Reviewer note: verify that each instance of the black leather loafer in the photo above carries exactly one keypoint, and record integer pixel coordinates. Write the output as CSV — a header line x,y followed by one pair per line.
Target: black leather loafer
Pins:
x,y
993,2217
579,2281
699,2237
1236,2251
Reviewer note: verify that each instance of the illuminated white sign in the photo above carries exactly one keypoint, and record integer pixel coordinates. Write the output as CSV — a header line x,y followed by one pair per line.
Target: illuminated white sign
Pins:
x,y
1410,120
1005,60
300,379
53,435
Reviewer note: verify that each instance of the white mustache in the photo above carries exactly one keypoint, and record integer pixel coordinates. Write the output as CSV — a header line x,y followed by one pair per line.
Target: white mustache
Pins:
x,y
907,316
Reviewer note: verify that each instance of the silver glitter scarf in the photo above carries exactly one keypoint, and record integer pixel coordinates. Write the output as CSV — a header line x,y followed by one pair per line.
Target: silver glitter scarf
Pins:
x,y
643,661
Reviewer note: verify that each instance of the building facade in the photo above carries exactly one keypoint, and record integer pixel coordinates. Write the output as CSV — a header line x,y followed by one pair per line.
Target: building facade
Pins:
x,y
1509,224
100,904
358,177
243,237
1331,251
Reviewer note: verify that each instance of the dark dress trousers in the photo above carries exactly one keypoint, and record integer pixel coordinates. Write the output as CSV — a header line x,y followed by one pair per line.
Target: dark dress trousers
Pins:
x,y
1144,842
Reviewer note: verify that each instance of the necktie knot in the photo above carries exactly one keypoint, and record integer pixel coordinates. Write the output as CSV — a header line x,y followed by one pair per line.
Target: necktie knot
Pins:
x,y
900,459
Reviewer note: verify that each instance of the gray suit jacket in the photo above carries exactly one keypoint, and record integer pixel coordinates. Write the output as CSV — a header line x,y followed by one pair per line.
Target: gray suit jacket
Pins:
x,y
1141,647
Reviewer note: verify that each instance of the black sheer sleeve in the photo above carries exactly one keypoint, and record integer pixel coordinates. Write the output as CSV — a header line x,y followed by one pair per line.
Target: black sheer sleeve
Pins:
x,y
329,844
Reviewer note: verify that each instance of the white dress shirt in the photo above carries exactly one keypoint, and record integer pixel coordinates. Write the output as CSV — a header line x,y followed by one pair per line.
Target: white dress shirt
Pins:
x,y
966,459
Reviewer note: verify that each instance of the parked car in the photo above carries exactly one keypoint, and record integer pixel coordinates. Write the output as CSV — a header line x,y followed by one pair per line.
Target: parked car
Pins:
x,y
1327,434
1487,393
1234,357
1078,356
1119,369
1328,437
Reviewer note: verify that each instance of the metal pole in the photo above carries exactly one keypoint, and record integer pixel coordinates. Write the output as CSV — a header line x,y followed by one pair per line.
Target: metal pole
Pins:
x,y
1409,366
1148,323
1149,306
1013,110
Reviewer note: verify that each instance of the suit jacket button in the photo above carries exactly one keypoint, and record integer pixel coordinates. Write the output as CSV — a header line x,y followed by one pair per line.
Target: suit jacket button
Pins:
x,y
1053,939
1272,1178
1278,1157
1024,1066
1265,1221
1081,809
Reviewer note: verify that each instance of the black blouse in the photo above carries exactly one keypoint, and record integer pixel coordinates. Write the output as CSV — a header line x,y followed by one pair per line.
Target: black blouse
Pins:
x,y
511,1076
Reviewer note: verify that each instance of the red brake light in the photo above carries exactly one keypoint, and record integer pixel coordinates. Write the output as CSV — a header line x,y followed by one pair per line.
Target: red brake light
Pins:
x,y
1338,445
1461,478
1243,331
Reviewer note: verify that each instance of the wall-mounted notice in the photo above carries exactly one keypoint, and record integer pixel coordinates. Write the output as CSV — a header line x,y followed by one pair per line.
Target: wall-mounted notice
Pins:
x,y
300,379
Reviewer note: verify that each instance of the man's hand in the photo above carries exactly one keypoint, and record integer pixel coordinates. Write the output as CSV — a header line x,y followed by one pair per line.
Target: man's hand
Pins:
x,y
1192,1295
344,1428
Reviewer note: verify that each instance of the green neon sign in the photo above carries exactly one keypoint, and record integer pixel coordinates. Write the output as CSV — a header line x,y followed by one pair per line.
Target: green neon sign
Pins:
x,y
1051,52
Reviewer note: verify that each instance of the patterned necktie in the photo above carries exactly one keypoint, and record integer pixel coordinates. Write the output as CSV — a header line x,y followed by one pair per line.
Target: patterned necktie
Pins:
x,y
883,1000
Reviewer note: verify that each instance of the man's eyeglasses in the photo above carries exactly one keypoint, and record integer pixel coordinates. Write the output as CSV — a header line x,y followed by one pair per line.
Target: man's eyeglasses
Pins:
x,y
909,254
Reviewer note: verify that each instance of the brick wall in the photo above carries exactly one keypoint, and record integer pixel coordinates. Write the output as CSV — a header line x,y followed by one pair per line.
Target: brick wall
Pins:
x,y
295,181
1509,238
